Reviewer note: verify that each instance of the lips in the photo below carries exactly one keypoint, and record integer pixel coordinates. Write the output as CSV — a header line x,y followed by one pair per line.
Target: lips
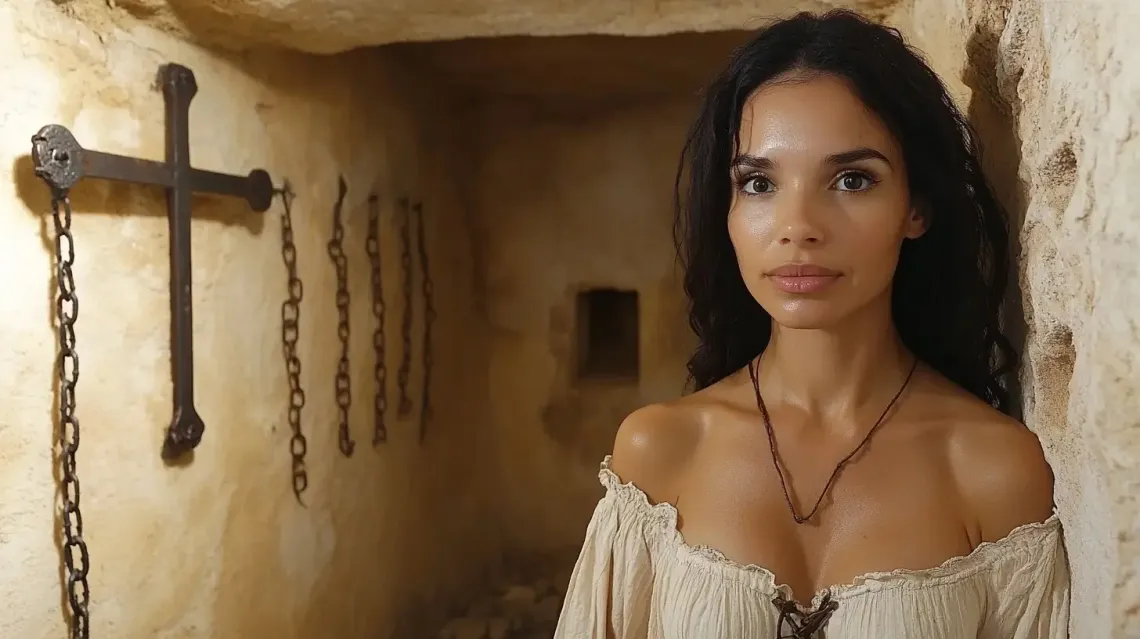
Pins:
x,y
802,278
802,270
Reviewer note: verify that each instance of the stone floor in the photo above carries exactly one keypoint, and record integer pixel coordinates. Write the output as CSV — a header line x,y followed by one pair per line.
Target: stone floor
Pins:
x,y
519,608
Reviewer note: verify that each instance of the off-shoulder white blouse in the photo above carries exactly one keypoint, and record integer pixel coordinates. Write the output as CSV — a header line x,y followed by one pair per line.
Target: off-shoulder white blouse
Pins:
x,y
636,575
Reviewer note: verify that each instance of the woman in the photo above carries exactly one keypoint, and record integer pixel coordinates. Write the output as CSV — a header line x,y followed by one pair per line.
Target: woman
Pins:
x,y
845,468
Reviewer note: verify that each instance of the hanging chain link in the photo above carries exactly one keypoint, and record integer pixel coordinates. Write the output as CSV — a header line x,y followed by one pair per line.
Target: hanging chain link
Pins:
x,y
343,381
429,318
75,557
405,371
290,332
372,245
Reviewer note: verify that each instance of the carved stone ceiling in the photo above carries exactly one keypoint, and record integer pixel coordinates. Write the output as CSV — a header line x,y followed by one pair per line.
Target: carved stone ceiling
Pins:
x,y
332,26
575,72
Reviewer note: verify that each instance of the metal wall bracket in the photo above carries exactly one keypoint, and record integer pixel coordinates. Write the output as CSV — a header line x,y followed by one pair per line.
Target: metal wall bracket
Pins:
x,y
61,162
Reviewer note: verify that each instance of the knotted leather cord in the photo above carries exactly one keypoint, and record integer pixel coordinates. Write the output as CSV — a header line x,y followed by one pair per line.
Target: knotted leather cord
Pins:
x,y
807,625
753,373
802,625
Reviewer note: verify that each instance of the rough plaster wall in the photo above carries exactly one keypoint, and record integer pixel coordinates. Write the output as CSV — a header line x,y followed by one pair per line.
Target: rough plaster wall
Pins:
x,y
219,548
1055,92
560,206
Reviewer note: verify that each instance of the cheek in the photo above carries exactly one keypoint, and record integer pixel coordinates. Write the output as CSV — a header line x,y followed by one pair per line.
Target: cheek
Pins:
x,y
874,250
749,229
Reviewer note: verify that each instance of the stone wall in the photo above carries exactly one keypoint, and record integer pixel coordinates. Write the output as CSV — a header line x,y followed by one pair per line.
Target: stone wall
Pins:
x,y
1053,87
218,547
563,206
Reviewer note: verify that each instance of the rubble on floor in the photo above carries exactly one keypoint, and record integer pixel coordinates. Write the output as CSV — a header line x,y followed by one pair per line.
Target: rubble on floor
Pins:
x,y
518,609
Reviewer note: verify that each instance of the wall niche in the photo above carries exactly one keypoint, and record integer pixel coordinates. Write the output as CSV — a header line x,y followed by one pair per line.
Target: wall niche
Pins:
x,y
607,336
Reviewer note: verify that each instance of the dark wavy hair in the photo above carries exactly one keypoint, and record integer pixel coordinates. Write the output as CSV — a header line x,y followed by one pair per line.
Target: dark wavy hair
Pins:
x,y
950,283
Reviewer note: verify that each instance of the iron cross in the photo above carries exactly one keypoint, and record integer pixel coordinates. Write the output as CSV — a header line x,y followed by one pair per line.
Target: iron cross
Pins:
x,y
61,162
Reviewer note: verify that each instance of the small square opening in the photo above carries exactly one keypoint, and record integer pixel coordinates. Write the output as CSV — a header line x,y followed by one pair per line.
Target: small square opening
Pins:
x,y
608,334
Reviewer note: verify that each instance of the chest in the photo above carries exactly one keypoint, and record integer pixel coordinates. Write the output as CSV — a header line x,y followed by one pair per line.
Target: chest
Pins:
x,y
890,507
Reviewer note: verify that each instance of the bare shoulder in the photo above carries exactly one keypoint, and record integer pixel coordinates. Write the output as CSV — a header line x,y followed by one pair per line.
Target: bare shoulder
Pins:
x,y
654,444
999,467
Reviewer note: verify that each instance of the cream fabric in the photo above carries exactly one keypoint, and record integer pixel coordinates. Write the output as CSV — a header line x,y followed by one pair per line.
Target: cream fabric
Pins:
x,y
636,575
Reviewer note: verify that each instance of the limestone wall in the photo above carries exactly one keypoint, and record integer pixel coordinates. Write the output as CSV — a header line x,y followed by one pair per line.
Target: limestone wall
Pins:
x,y
218,548
1055,88
562,206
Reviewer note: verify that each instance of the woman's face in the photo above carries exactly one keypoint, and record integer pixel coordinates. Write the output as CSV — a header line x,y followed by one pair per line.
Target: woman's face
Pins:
x,y
820,204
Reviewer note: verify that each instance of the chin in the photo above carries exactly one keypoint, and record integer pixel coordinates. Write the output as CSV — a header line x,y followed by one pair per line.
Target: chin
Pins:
x,y
806,314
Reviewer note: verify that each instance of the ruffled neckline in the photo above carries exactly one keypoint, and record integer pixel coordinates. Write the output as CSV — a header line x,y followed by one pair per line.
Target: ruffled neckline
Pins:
x,y
665,517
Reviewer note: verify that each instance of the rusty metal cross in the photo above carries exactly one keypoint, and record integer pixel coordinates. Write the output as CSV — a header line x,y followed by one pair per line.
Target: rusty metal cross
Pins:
x,y
61,162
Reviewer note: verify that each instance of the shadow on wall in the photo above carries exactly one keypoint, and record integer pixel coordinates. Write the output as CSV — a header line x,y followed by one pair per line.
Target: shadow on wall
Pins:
x,y
100,197
596,340
995,121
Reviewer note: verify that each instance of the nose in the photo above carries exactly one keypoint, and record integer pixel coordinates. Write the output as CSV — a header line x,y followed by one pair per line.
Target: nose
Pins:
x,y
797,221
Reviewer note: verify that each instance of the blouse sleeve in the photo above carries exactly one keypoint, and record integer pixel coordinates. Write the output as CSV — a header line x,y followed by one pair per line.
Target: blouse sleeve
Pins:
x,y
1028,590
611,586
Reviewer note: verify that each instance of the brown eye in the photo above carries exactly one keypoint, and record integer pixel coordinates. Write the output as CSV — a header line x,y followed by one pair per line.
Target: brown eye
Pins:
x,y
854,182
757,185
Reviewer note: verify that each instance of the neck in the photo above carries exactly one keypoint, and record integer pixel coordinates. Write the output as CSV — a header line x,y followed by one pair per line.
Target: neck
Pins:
x,y
835,371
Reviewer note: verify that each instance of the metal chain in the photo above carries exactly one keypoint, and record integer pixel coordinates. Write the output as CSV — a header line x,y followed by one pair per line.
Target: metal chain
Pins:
x,y
340,262
380,370
405,371
429,318
290,332
75,557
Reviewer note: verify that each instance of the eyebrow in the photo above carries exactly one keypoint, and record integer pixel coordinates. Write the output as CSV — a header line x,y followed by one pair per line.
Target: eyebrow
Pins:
x,y
846,157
